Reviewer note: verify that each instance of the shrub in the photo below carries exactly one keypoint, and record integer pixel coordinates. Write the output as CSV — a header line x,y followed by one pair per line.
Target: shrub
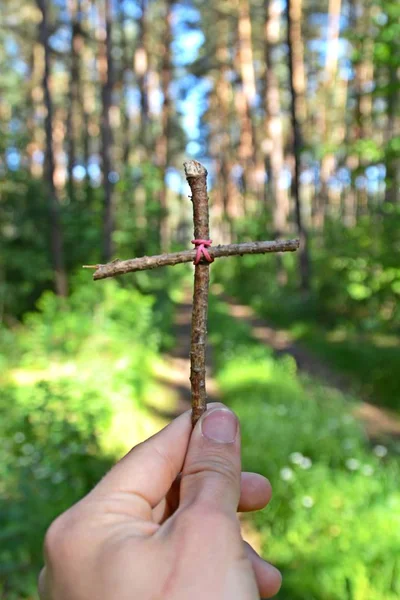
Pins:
x,y
51,456
333,526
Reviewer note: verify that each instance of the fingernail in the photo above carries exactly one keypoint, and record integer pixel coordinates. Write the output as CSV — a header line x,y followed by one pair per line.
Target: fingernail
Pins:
x,y
220,425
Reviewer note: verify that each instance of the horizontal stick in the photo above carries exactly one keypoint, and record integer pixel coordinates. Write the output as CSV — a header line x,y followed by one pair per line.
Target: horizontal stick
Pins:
x,y
119,267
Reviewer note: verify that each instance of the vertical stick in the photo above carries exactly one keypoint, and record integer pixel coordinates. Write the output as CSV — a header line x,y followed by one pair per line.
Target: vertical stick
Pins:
x,y
196,176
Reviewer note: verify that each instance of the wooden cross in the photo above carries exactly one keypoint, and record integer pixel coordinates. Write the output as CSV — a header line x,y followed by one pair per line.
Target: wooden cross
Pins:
x,y
202,256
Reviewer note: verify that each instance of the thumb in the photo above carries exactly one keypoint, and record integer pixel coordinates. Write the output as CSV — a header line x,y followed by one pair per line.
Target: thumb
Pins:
x,y
212,468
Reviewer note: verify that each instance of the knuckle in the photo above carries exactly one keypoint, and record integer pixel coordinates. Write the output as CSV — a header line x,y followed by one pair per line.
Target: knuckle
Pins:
x,y
213,466
54,536
60,536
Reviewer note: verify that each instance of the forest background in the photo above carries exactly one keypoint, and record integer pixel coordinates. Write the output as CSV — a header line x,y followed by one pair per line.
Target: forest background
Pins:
x,y
293,106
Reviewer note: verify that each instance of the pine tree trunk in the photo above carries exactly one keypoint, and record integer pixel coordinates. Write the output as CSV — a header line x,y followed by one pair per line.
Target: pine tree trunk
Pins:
x,y
73,92
363,77
227,197
57,242
141,66
35,84
392,190
327,114
274,159
126,60
162,146
297,111
246,95
352,161
106,78
30,108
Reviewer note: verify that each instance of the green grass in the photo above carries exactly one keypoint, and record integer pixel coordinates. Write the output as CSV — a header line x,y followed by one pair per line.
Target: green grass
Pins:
x,y
74,383
333,526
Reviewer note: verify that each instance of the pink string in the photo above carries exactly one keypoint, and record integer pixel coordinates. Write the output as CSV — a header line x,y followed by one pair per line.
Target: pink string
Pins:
x,y
201,247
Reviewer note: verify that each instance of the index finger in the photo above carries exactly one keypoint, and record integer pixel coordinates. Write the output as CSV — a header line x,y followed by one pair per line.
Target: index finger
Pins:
x,y
150,468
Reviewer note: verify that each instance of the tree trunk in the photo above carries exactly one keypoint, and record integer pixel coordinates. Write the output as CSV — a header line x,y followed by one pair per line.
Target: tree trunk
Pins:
x,y
363,76
106,78
246,95
392,180
226,205
141,64
57,243
126,60
34,104
297,111
76,44
162,145
327,115
274,157
274,143
245,51
364,73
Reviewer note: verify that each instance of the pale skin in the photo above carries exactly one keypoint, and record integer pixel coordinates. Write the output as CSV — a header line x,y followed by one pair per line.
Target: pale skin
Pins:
x,y
163,525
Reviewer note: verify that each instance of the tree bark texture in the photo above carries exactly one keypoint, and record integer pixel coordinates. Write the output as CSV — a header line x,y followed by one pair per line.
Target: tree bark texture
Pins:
x,y
196,176
162,145
392,180
297,110
227,203
126,60
273,123
73,91
106,76
141,66
144,263
56,235
245,95
327,111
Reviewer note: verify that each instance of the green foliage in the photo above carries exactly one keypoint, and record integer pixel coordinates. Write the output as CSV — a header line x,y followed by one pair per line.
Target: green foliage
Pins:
x,y
26,268
333,525
138,219
98,312
25,258
352,315
358,281
50,457
367,150
74,381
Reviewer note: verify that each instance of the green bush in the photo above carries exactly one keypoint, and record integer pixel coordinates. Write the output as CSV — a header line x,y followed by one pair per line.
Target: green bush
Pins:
x,y
333,526
355,275
351,317
51,456
74,380
94,314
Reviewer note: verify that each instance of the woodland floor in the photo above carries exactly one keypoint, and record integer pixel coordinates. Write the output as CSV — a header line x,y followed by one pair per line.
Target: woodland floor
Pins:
x,y
378,422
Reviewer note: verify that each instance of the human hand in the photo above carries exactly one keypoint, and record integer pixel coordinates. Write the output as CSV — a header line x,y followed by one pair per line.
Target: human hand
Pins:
x,y
162,524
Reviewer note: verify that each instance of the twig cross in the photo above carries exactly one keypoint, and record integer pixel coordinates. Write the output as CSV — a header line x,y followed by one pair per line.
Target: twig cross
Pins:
x,y
202,256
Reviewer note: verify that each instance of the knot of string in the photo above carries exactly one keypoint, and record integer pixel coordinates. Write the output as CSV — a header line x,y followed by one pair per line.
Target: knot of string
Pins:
x,y
201,247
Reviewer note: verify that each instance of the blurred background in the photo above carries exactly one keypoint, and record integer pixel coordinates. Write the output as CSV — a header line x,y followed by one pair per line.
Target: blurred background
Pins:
x,y
294,109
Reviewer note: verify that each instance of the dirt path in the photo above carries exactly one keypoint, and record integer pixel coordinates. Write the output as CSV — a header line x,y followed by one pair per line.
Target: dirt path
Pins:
x,y
177,365
377,421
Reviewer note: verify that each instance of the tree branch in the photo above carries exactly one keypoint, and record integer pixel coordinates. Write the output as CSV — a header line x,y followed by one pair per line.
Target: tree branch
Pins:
x,y
119,267
196,176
